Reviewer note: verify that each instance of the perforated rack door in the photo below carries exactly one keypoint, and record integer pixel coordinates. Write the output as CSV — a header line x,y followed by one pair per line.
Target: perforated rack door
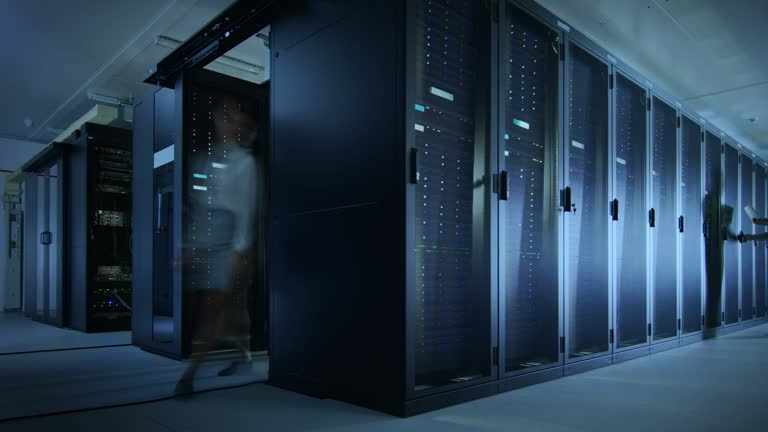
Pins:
x,y
529,237
747,249
713,181
587,225
664,233
729,226
630,222
691,199
452,322
760,250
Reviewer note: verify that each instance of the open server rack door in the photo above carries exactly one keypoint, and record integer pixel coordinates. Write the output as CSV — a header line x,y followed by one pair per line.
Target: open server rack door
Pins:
x,y
663,219
175,140
586,199
747,251
690,223
629,212
530,217
729,214
713,233
760,247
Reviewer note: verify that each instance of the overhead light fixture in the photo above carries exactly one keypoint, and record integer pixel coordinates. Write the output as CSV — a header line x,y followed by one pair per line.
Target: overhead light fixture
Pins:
x,y
109,100
170,43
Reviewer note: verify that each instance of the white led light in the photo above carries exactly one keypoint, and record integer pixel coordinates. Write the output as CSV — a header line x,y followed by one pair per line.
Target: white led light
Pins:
x,y
218,165
441,93
200,188
621,161
577,144
419,127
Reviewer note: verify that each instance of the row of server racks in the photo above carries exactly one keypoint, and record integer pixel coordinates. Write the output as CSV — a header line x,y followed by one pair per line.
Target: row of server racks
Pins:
x,y
489,201
77,231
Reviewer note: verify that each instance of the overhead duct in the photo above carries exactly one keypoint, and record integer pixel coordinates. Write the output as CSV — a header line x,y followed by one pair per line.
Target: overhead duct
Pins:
x,y
225,60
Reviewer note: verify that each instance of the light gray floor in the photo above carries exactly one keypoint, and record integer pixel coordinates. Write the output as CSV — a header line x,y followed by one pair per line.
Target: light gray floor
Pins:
x,y
20,334
716,385
50,382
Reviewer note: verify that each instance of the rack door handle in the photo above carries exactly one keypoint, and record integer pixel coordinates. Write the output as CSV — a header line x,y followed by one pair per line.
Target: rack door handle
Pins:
x,y
414,165
681,223
652,217
567,203
504,186
615,209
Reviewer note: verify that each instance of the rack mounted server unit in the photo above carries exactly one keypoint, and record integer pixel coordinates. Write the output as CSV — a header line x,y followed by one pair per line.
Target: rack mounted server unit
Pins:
x,y
176,161
99,226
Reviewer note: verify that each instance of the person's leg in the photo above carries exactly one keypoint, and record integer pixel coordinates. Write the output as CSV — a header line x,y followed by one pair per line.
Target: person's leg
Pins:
x,y
209,314
752,237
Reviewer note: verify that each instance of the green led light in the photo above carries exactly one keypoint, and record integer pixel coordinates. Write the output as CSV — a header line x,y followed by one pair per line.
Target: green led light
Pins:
x,y
520,123
200,176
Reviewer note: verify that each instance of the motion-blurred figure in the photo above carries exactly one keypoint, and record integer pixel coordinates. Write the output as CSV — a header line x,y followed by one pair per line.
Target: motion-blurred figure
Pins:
x,y
230,205
743,238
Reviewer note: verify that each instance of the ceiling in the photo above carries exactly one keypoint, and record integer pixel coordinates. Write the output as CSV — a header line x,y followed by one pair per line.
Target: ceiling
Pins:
x,y
56,53
709,54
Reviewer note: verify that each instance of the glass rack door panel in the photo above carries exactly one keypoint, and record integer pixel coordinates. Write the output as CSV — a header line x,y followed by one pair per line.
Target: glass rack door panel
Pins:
x,y
630,228
747,249
452,263
531,217
691,199
760,247
729,224
664,220
712,229
587,224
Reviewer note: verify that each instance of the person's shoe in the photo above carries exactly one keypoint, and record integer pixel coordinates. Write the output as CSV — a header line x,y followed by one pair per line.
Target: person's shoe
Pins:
x,y
184,388
741,237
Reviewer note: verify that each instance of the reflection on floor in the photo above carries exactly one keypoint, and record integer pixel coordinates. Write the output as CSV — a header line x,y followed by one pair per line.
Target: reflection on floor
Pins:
x,y
21,334
49,382
716,385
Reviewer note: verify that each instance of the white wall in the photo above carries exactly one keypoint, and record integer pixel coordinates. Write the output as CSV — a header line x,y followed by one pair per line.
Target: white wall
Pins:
x,y
13,154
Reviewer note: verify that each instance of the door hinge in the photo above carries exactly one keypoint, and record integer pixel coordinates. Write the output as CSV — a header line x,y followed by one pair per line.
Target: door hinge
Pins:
x,y
649,329
495,356
611,335
610,81
562,344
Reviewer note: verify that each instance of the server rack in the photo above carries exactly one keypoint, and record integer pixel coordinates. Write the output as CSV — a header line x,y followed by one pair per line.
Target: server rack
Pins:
x,y
730,216
363,223
691,226
664,222
761,284
99,229
747,255
530,212
175,164
45,238
629,213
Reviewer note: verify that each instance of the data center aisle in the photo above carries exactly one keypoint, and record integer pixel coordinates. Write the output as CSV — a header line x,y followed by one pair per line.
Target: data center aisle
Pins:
x,y
714,385
51,382
21,334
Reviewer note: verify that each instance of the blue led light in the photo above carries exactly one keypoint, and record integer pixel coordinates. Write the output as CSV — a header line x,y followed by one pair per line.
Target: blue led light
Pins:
x,y
200,176
420,108
506,136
